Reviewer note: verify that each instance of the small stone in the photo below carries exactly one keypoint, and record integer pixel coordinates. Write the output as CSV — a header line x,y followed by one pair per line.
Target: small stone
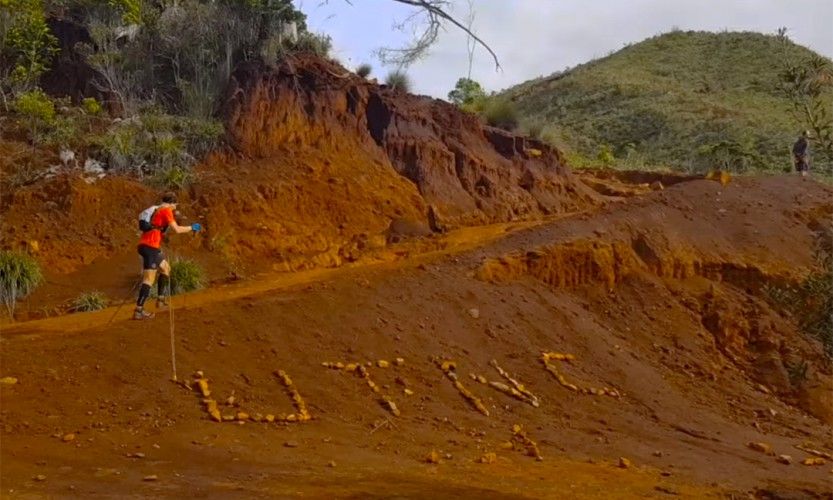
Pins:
x,y
68,437
760,447
331,463
657,453
624,463
39,477
230,401
784,459
382,363
291,444
399,361
488,458
152,477
433,457
408,392
813,461
242,416
137,455
8,381
270,418
474,313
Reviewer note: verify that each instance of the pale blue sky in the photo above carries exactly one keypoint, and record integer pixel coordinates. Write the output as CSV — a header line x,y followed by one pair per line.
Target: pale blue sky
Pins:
x,y
538,37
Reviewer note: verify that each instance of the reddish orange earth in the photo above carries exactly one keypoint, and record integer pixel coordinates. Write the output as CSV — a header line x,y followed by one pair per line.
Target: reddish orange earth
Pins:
x,y
679,361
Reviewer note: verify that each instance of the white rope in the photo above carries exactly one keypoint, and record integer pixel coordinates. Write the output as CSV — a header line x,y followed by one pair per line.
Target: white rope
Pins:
x,y
173,341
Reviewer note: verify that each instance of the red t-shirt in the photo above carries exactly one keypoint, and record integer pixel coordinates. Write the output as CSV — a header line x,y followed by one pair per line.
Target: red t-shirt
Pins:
x,y
161,218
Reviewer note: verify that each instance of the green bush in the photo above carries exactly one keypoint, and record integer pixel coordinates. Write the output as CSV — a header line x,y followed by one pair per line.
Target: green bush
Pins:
x,y
91,106
63,132
501,113
398,80
605,155
811,302
312,42
159,145
174,178
20,275
89,301
364,70
37,111
186,276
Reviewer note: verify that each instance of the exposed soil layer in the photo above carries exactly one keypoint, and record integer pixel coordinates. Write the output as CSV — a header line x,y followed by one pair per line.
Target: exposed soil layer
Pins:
x,y
321,168
678,364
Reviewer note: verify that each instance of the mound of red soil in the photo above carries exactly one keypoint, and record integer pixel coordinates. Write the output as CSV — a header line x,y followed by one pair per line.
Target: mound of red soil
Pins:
x,y
658,299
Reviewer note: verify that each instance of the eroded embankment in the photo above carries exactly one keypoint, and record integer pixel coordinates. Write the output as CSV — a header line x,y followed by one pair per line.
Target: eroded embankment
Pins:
x,y
728,293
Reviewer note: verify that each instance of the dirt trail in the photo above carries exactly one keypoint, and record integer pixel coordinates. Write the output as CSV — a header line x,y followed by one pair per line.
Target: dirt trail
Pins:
x,y
684,347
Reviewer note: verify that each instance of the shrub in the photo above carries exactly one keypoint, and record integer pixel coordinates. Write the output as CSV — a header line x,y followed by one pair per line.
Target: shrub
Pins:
x,y
89,301
174,178
605,155
364,70
811,302
501,113
535,130
37,110
63,132
20,275
398,80
91,106
186,276
466,92
315,43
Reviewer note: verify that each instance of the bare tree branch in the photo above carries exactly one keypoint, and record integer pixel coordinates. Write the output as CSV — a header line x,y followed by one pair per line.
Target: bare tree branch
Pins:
x,y
437,13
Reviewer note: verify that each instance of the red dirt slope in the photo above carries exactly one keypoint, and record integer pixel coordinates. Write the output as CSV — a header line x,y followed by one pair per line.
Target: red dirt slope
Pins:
x,y
322,167
650,296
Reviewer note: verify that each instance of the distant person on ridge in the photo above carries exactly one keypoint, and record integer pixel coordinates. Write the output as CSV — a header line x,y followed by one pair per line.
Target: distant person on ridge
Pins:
x,y
153,222
801,153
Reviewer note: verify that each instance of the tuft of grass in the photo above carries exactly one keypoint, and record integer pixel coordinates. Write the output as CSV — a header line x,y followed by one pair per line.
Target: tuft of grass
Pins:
x,y
89,301
811,302
20,275
174,178
364,70
186,276
501,113
398,80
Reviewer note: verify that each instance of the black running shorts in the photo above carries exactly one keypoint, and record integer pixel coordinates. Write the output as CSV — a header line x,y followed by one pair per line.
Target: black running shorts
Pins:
x,y
151,257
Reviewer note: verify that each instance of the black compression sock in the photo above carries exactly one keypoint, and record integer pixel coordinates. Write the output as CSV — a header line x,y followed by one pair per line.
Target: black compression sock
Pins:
x,y
144,293
162,286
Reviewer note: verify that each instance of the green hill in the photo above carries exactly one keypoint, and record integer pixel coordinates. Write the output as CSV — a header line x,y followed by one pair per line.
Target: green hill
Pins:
x,y
689,100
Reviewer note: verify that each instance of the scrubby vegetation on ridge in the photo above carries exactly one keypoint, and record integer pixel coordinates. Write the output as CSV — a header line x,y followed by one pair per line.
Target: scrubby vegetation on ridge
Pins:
x,y
690,100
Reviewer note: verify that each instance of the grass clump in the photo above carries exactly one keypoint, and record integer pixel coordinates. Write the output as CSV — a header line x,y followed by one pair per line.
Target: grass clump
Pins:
x,y
186,276
811,302
89,301
20,275
364,70
398,80
501,113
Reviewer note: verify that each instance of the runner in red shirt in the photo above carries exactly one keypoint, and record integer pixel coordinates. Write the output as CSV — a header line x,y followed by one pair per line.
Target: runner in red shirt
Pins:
x,y
150,248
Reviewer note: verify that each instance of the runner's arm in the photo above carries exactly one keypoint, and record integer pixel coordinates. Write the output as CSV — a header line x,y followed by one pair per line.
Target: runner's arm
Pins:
x,y
179,229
